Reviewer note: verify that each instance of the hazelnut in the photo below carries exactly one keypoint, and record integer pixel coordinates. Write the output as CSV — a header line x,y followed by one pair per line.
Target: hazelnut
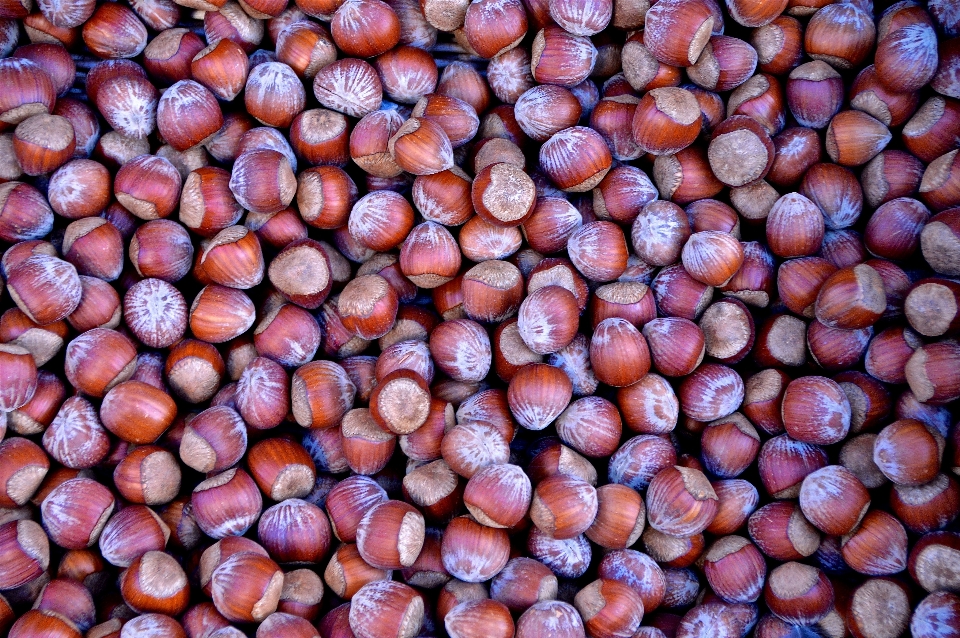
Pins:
x,y
737,500
386,606
70,599
833,499
550,616
563,507
729,446
798,593
498,495
576,159
466,619
677,33
673,552
137,412
925,621
609,607
188,115
927,557
781,532
659,232
560,57
19,383
680,502
816,410
43,143
222,68
365,28
639,459
740,151
294,531
761,97
854,138
503,194
246,587
306,47
735,569
75,512
49,622
148,475
155,583
349,86
444,197
522,583
679,295
925,449
115,32
131,533
712,257
784,463
366,446
667,120
390,535
421,146
883,591
591,425
301,273
473,552
461,349
538,394
841,36
471,446
75,437
226,504
620,517
878,547
851,298
724,64
347,572
349,501
649,406
814,94
711,392
494,28
927,507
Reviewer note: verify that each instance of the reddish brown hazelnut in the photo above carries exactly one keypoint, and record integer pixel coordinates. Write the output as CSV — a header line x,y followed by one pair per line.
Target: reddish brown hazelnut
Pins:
x,y
798,593
680,502
680,43
833,499
878,547
666,121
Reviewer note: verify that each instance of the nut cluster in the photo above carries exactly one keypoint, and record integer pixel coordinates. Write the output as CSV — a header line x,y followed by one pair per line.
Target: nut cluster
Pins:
x,y
479,318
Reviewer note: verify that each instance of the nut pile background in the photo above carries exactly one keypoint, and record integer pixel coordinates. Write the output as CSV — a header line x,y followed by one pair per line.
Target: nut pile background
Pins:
x,y
507,317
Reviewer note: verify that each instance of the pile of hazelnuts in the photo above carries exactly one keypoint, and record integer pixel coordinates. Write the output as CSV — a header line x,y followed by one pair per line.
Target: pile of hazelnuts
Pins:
x,y
489,318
